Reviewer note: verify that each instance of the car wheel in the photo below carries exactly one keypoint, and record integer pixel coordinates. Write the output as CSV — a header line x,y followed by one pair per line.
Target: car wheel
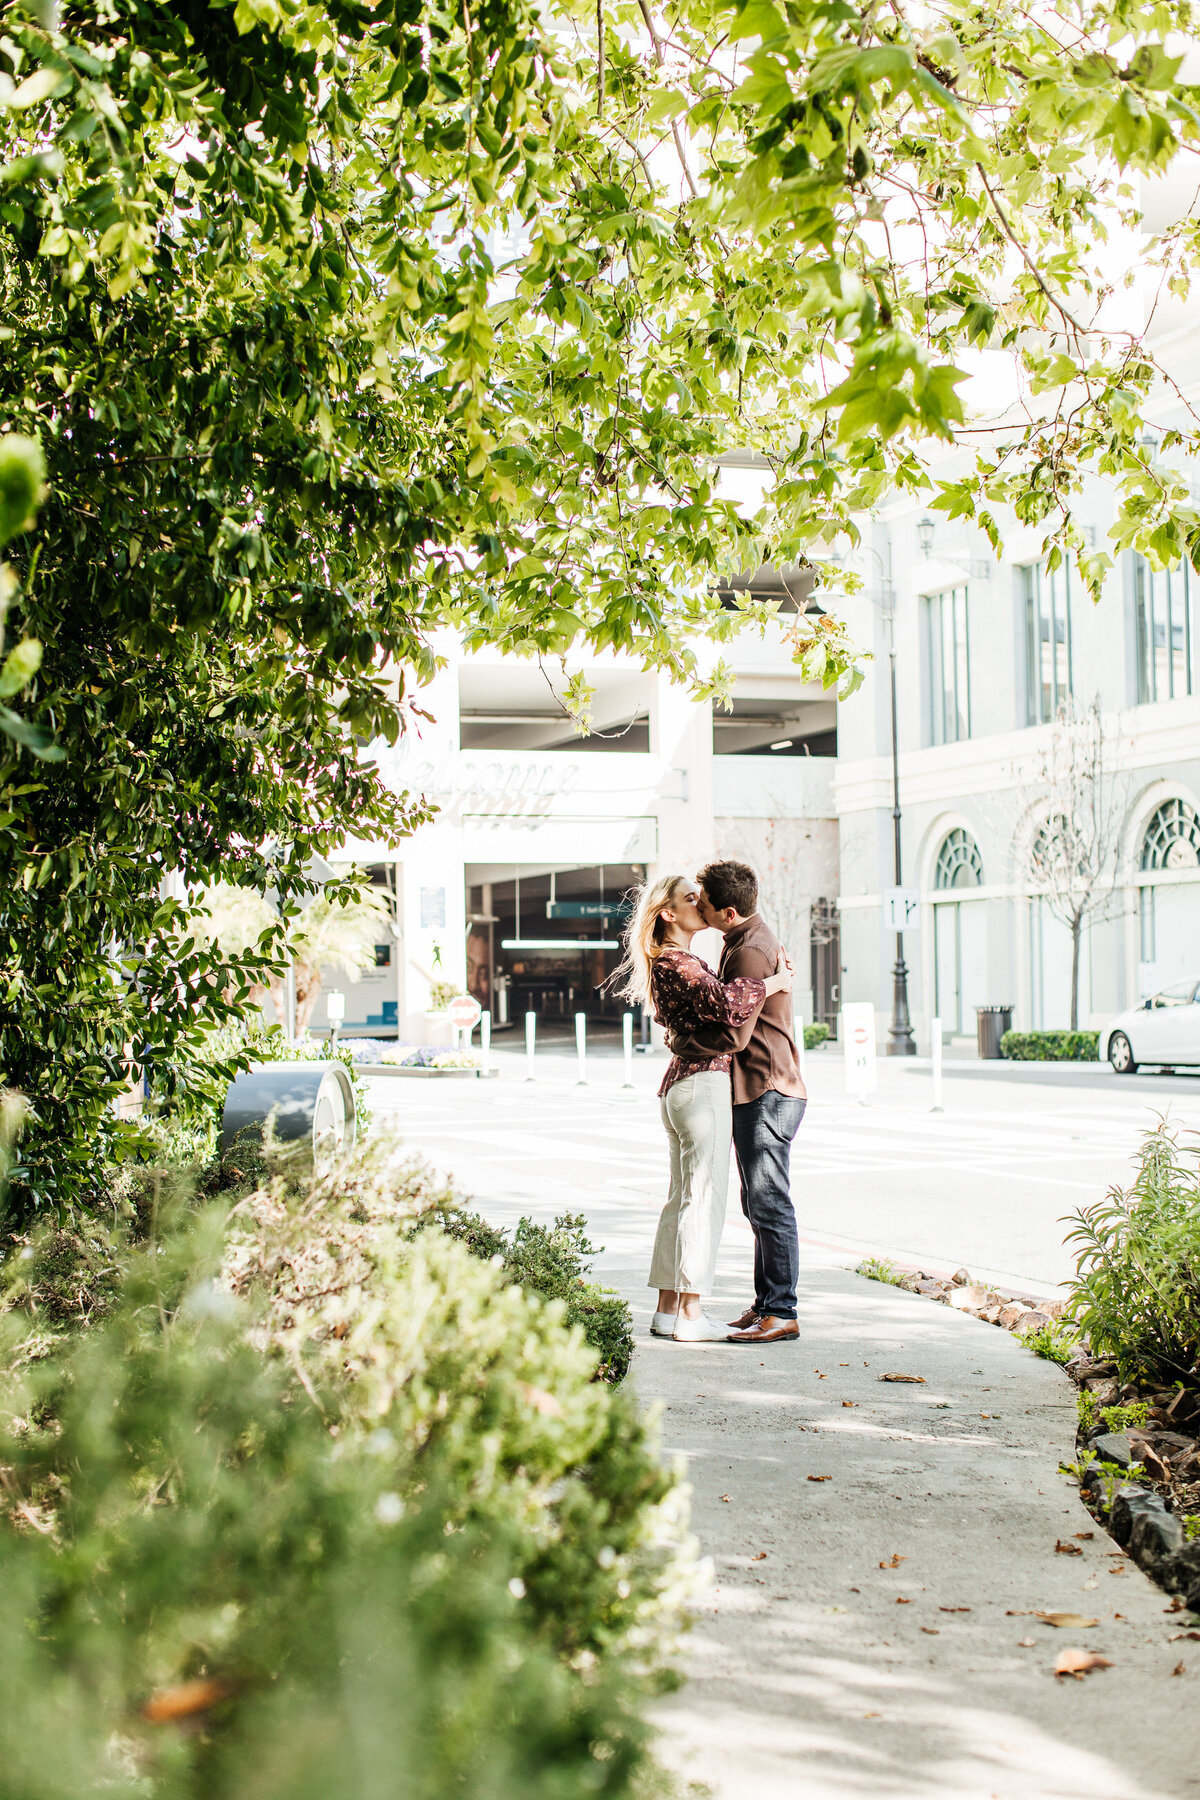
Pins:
x,y
1120,1054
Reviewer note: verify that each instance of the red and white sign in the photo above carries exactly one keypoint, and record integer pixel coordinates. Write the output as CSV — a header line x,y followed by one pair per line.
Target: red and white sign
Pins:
x,y
464,1013
858,1046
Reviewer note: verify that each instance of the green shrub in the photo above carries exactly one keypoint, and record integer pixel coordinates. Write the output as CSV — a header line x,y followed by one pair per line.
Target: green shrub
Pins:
x,y
1050,1046
878,1268
814,1035
1136,1296
354,1484
553,1262
1055,1342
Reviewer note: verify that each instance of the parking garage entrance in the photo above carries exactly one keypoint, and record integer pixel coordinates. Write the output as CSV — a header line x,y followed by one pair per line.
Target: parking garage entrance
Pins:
x,y
548,941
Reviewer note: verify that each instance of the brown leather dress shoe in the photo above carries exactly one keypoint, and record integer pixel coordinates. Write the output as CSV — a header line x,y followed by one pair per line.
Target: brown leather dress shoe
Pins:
x,y
744,1320
768,1330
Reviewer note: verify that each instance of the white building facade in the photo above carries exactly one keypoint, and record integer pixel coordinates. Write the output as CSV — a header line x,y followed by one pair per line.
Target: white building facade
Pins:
x,y
986,651
515,892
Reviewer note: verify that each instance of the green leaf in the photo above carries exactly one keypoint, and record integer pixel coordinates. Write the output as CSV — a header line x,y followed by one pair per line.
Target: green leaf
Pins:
x,y
20,667
39,86
31,737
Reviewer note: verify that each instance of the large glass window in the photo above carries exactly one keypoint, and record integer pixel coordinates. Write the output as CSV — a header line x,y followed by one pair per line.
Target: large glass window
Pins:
x,y
1163,610
947,666
959,864
1047,640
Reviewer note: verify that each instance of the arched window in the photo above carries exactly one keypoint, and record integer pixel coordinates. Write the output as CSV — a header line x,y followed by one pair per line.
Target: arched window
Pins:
x,y
959,864
1172,839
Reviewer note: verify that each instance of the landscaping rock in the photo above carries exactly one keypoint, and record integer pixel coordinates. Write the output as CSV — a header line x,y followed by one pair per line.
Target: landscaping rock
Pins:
x,y
1171,1446
1103,1392
968,1299
1010,1313
960,1278
926,1286
1114,1447
1139,1519
1033,1320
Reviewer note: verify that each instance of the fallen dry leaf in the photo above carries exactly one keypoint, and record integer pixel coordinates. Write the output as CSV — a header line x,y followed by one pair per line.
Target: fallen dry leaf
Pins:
x,y
1178,1669
725,1496
1119,1570
930,1630
1178,1604
954,1609
1178,1634
1065,1620
184,1701
901,1600
761,1557
1067,1549
847,1403
897,1559
894,1377
819,1478
1085,1534
1017,1612
1078,1662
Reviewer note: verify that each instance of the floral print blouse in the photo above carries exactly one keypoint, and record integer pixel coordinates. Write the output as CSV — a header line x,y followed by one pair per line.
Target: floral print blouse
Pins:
x,y
687,996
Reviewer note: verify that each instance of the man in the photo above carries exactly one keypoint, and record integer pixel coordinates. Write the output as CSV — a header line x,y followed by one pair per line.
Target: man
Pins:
x,y
768,1101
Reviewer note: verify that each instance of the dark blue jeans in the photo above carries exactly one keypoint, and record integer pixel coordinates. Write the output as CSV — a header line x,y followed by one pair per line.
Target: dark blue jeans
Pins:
x,y
763,1130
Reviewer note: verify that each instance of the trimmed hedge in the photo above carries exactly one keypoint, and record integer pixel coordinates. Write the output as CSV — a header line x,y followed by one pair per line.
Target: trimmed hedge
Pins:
x,y
815,1035
1050,1046
302,1503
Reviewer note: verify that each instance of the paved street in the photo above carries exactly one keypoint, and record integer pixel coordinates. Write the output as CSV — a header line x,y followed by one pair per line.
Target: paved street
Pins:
x,y
985,1184
878,1551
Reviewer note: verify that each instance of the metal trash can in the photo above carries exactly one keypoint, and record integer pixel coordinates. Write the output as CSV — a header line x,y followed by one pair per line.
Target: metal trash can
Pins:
x,y
310,1105
991,1024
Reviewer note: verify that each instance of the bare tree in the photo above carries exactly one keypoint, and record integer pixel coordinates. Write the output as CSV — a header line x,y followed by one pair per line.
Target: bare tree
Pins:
x,y
1075,805
796,863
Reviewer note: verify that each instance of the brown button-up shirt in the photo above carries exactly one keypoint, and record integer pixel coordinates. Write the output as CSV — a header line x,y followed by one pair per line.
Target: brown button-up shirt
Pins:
x,y
764,1048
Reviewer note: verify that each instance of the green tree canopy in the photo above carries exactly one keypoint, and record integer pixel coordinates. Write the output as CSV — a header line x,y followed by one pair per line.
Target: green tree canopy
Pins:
x,y
340,322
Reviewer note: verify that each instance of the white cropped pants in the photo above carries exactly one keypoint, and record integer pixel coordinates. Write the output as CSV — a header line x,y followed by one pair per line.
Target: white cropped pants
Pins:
x,y
697,1115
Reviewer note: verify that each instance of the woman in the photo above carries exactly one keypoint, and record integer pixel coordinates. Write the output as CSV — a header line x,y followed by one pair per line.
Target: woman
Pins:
x,y
695,1098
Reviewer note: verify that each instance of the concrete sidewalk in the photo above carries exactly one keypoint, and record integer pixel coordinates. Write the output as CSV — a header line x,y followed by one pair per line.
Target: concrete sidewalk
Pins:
x,y
815,1672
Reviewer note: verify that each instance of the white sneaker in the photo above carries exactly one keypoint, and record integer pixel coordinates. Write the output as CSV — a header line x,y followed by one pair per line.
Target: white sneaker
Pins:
x,y
662,1325
699,1331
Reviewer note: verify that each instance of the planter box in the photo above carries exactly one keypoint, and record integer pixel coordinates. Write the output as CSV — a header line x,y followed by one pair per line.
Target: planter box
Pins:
x,y
395,1069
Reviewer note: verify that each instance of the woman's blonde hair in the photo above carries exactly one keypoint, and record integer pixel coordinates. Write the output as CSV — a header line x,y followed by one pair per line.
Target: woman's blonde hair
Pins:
x,y
644,938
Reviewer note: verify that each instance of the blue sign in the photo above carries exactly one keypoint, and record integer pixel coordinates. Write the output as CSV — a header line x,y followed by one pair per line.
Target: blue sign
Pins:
x,y
586,909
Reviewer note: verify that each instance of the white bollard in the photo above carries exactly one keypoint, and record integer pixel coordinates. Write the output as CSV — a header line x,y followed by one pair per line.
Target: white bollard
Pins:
x,y
581,1047
798,1024
530,1043
485,1044
627,1047
935,1026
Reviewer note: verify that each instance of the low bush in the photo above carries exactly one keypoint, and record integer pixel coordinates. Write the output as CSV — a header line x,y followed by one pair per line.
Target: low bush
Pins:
x,y
553,1262
323,1508
878,1268
1136,1296
1050,1046
1056,1342
814,1035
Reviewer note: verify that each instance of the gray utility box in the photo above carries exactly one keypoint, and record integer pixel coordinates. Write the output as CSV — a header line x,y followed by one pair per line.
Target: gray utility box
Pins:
x,y
310,1106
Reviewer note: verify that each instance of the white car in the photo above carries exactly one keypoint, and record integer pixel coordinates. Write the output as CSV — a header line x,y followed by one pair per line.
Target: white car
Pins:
x,y
1164,1030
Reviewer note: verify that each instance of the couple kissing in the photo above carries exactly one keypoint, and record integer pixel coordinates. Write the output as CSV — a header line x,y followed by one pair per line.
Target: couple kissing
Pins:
x,y
734,1075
